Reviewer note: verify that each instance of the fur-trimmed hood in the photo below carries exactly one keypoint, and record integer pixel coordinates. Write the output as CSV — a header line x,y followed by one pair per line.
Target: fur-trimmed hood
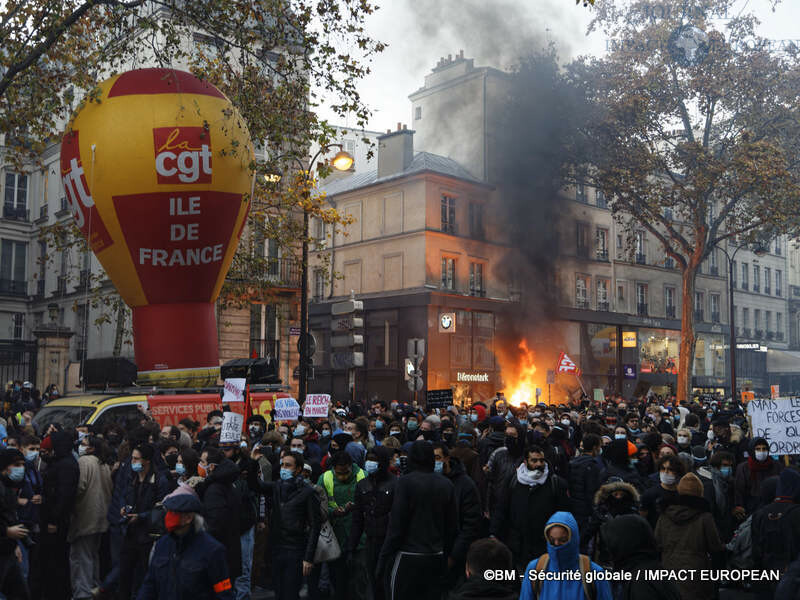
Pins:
x,y
737,435
605,491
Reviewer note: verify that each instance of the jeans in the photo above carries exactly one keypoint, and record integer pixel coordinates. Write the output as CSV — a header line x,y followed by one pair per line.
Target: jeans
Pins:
x,y
287,572
115,544
84,563
248,539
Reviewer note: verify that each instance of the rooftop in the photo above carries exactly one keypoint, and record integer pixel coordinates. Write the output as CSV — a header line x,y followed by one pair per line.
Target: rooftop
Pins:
x,y
423,162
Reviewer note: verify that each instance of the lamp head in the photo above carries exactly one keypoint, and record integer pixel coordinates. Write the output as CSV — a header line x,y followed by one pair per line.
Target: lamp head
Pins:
x,y
343,161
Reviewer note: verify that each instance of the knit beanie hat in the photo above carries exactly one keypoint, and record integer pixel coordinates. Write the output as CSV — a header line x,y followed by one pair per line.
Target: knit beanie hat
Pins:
x,y
690,485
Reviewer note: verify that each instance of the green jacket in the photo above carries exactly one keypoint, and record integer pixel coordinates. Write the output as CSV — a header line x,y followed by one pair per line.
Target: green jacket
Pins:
x,y
339,494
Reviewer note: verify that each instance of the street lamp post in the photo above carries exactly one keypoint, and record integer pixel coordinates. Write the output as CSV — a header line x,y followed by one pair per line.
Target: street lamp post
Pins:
x,y
341,162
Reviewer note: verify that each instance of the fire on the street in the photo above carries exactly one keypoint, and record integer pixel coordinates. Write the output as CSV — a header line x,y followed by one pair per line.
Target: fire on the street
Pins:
x,y
521,378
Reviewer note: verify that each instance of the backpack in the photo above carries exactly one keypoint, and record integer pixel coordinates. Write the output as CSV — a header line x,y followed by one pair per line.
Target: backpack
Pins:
x,y
774,536
741,546
589,589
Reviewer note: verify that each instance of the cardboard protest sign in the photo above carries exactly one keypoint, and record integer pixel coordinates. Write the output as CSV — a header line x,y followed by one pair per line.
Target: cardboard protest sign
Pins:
x,y
286,409
234,390
316,406
231,432
778,421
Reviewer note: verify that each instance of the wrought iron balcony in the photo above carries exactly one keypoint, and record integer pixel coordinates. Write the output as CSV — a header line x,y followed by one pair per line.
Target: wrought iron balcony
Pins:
x,y
602,305
759,333
756,287
584,304
770,335
12,287
602,255
15,213
641,310
278,272
670,312
698,315
715,317
641,259
714,270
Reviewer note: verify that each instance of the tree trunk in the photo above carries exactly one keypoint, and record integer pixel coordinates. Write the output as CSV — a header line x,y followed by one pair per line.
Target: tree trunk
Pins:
x,y
120,328
686,351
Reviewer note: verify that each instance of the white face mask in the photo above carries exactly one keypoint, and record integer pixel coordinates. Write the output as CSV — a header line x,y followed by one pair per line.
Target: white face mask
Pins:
x,y
710,435
565,422
667,478
683,440
761,455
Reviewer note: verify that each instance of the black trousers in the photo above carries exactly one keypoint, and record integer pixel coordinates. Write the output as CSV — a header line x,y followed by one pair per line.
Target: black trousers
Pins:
x,y
53,569
12,583
287,573
417,577
133,559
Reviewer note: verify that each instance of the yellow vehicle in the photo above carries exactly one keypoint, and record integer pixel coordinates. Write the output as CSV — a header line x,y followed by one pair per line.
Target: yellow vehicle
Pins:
x,y
91,409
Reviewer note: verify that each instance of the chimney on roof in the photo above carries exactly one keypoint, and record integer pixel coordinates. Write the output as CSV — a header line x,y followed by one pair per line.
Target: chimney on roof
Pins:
x,y
395,151
461,54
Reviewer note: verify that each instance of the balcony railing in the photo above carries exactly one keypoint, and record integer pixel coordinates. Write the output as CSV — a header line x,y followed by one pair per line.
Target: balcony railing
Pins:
x,y
602,255
602,305
277,272
767,290
584,304
641,259
698,315
778,291
756,287
779,336
669,263
748,332
713,270
770,335
670,312
641,310
744,285
12,287
477,292
759,333
715,317
449,228
15,213
63,210
265,348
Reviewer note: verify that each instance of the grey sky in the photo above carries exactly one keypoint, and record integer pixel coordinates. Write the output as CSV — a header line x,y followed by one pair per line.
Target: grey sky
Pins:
x,y
419,32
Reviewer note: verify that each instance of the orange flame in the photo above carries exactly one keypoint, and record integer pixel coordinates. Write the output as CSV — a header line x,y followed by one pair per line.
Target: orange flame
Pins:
x,y
521,378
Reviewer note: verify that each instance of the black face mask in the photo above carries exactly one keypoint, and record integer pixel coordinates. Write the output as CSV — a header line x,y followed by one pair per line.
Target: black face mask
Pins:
x,y
171,460
450,438
429,435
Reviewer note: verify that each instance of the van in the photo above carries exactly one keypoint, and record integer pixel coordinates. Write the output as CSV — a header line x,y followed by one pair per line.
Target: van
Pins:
x,y
105,409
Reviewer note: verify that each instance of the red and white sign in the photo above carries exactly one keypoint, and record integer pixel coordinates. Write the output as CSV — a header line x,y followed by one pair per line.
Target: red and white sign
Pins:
x,y
565,365
234,389
316,406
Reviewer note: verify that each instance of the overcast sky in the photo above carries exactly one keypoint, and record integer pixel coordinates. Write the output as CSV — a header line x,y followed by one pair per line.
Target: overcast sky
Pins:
x,y
493,32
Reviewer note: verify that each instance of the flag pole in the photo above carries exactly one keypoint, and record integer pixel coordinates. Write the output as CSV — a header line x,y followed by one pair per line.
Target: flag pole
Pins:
x,y
580,383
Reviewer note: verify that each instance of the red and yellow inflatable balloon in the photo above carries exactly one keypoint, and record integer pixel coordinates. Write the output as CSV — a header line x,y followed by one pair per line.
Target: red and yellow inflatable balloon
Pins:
x,y
156,171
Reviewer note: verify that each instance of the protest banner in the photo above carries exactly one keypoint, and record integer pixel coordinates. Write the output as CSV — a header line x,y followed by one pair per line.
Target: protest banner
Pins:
x,y
778,421
599,395
231,432
316,406
234,390
286,409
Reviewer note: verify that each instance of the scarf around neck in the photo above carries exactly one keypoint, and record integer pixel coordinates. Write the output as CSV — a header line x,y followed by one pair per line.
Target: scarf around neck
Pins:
x,y
526,477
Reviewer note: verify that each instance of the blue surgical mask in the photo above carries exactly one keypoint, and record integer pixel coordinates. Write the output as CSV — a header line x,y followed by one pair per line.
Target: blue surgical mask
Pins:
x,y
620,436
82,450
371,466
17,474
378,424
634,461
473,418
412,425
726,471
438,466
136,467
286,474
396,461
634,430
299,430
81,435
32,455
523,422
326,433
180,469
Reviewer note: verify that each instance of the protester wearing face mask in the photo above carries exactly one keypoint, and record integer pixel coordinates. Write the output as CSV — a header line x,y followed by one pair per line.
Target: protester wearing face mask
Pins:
x,y
750,474
372,506
298,446
619,456
469,509
614,499
189,551
89,522
529,497
12,473
683,440
670,469
620,432
256,428
717,479
186,466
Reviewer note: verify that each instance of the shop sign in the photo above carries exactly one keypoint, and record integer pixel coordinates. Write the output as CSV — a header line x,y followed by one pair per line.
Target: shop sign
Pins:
x,y
472,377
629,371
629,339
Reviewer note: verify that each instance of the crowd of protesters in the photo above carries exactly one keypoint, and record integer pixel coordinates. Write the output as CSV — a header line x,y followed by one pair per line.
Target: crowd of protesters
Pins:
x,y
397,501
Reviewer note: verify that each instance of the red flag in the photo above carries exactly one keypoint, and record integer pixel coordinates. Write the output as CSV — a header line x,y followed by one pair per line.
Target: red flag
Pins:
x,y
566,365
254,354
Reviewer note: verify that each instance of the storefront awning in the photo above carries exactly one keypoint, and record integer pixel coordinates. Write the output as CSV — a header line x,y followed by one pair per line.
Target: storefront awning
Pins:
x,y
783,361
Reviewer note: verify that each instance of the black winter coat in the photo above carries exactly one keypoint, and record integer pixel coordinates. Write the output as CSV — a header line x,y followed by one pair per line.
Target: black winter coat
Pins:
x,y
469,510
524,511
60,483
477,588
424,517
584,481
223,505
8,517
143,497
295,515
789,586
373,504
191,567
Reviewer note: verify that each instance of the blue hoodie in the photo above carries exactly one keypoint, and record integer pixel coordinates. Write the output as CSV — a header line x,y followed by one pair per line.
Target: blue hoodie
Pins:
x,y
563,558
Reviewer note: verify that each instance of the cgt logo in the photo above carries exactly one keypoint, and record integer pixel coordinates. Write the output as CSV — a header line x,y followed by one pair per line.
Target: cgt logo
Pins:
x,y
183,154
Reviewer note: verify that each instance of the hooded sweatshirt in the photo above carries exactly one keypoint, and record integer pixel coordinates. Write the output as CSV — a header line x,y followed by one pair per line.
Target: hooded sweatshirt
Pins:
x,y
563,558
